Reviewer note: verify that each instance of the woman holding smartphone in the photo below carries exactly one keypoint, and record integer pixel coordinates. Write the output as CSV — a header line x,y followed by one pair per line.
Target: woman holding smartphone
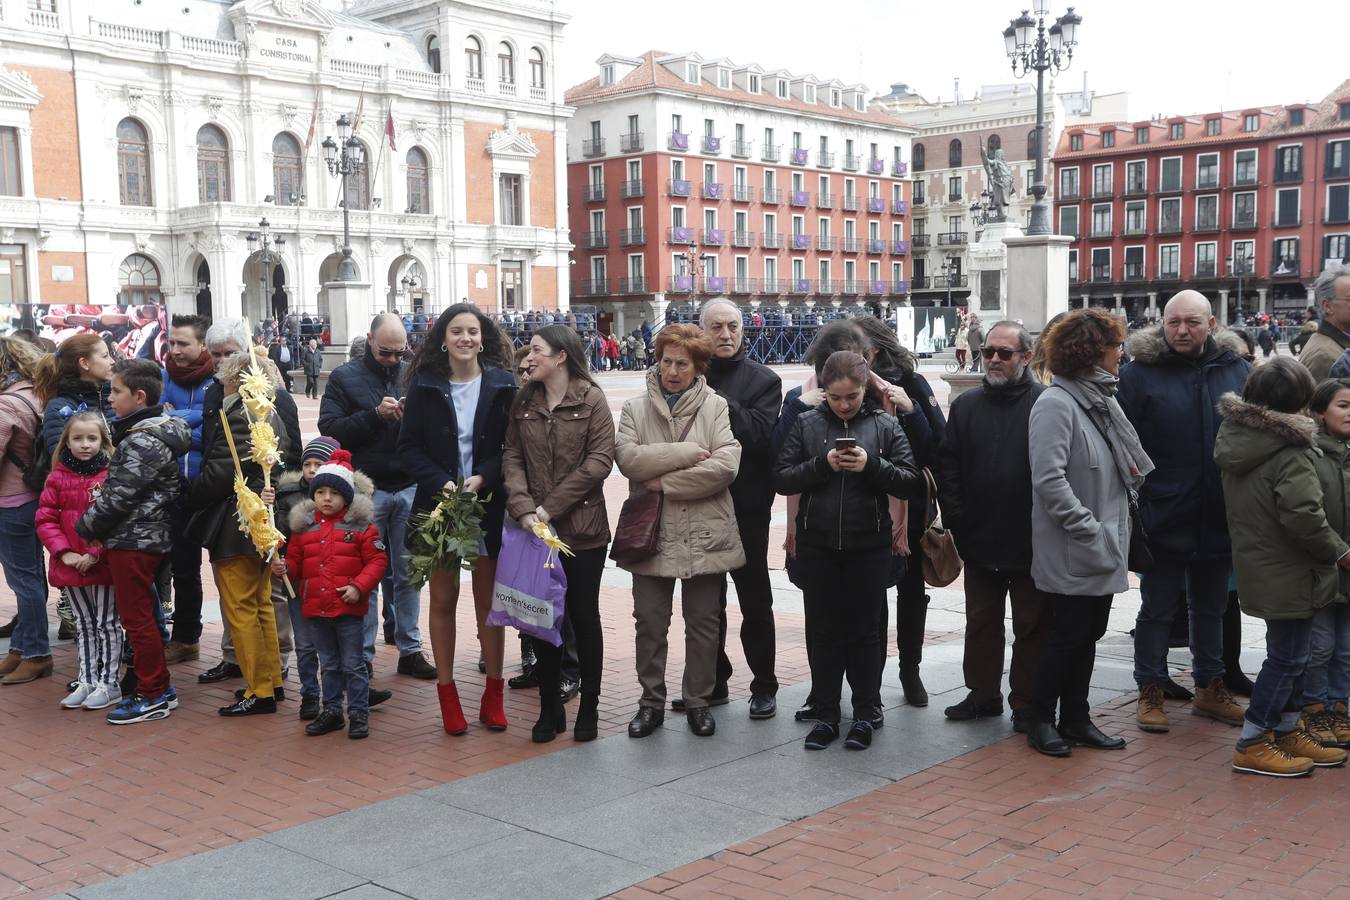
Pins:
x,y
846,458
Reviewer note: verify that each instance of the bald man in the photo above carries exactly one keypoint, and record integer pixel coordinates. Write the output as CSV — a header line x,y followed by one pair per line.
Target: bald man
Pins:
x,y
1170,392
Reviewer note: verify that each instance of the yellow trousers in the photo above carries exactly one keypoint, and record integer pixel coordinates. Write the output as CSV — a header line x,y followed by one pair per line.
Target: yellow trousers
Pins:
x,y
245,586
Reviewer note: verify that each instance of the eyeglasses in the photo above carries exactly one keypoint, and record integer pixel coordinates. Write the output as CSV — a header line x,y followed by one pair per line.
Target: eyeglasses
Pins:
x,y
1003,353
385,351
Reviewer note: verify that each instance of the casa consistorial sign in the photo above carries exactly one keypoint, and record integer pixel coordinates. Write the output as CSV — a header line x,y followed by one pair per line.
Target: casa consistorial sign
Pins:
x,y
281,32
295,47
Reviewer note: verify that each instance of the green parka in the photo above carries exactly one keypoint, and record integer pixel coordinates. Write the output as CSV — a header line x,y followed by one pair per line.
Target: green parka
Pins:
x,y
1284,551
1333,469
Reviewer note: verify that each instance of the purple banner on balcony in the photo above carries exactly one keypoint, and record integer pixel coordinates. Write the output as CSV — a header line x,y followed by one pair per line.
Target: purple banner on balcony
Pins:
x,y
876,245
679,140
712,190
801,285
712,144
901,168
715,236
682,283
876,287
681,234
902,287
876,205
900,248
801,198
679,188
801,242
715,284
900,207
799,156
875,167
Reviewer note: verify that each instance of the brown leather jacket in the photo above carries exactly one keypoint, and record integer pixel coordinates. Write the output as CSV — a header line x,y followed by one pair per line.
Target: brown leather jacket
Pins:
x,y
559,460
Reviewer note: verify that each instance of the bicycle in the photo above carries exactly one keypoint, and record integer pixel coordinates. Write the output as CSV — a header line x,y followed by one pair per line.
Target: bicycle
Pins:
x,y
952,367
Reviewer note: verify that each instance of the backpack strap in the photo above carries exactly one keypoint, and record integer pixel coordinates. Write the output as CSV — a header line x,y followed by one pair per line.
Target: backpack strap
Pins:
x,y
37,429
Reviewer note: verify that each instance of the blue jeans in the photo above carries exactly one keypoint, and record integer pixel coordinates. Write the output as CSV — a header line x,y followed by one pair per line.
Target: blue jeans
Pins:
x,y
306,658
392,510
1279,684
21,556
338,642
1327,679
1206,586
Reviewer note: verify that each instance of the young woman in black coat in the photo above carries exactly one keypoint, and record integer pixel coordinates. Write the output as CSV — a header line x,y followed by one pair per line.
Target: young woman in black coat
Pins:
x,y
460,390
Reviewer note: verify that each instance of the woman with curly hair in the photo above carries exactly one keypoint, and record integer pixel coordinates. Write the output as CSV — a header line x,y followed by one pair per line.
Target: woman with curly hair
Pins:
x,y
1086,464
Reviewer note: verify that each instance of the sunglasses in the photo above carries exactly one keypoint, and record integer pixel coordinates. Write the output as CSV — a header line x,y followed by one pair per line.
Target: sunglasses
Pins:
x,y
385,351
1003,353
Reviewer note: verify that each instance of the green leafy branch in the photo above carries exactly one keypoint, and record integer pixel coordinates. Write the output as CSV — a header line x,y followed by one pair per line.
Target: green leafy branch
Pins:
x,y
446,536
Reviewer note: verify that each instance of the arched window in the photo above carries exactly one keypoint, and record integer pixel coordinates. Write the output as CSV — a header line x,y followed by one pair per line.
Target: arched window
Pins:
x,y
917,155
138,282
434,53
537,68
1031,144
288,173
213,165
506,64
473,57
994,142
133,163
954,154
419,182
357,189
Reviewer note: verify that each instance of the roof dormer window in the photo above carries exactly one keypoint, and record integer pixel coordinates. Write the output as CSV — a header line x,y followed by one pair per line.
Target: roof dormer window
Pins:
x,y
809,93
723,79
858,103
782,89
753,82
693,73
835,98
607,74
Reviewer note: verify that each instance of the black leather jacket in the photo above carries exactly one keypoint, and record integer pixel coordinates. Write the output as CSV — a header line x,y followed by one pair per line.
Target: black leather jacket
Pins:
x,y
846,510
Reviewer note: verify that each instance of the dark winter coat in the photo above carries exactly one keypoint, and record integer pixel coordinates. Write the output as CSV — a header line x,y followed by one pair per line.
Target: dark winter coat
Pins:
x,y
347,414
984,474
134,510
754,394
1333,470
72,395
312,361
846,510
1284,550
287,412
65,497
428,443
327,553
1172,401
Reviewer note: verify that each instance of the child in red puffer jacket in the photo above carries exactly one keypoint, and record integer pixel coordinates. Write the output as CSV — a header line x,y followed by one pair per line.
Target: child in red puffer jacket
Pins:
x,y
336,557
77,475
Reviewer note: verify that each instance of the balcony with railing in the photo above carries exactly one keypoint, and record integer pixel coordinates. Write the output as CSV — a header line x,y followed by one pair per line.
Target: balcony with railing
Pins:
x,y
770,153
852,245
771,196
1336,216
1169,226
1286,221
633,189
850,287
678,140
1168,275
852,162
475,84
714,237
824,201
633,237
677,187
825,159
742,149
681,284
876,205
922,241
1069,193
742,239
954,196
827,243
900,287
681,234
1134,271
595,240
876,167
876,245
899,248
773,286
593,147
1207,181
899,169
595,193
1206,268
799,156
712,145
44,18
742,284
1288,176
800,242
636,284
920,199
850,203
1134,228
771,240
1135,187
1103,191
742,193
798,286
1101,273
1206,225
1244,176
874,287
631,142
1337,166
712,190
900,207
714,284
951,239
827,287
1243,222
594,287
799,198
922,282
1101,231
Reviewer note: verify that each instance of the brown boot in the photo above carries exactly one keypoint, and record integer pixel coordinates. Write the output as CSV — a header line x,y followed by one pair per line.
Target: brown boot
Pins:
x,y
10,662
175,652
1150,715
1216,702
1317,721
1299,743
1262,756
30,670
1340,723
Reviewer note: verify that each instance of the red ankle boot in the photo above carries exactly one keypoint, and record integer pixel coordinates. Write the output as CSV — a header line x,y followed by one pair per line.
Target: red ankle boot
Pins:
x,y
451,713
490,712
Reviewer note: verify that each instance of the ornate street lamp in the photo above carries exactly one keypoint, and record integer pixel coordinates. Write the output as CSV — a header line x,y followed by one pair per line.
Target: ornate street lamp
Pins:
x,y
342,164
983,209
1033,47
1241,266
269,252
950,269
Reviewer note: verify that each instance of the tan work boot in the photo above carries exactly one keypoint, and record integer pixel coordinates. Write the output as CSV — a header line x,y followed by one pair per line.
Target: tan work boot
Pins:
x,y
1151,716
1216,702
10,662
1316,720
1340,723
29,670
1262,756
176,652
1300,743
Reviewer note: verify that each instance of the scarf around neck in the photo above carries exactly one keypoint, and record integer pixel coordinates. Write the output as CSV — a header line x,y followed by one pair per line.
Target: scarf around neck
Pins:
x,y
193,374
92,466
1096,392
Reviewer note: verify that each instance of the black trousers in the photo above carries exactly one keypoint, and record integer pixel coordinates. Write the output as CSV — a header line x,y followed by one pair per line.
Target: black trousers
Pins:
x,y
982,663
843,592
311,385
755,595
582,608
185,558
1073,627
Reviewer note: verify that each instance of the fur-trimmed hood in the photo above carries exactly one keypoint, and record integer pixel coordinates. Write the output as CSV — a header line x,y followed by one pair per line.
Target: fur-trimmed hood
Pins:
x,y
359,514
1252,434
292,481
1148,346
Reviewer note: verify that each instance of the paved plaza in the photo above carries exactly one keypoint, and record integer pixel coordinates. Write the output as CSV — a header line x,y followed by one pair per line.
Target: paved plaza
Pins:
x,y
197,806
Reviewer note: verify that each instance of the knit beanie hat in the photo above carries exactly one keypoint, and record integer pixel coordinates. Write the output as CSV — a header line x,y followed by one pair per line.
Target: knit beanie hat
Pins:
x,y
335,474
320,448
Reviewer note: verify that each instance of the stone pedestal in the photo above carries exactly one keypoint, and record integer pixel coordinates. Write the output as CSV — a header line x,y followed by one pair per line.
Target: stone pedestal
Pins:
x,y
348,310
989,270
1038,278
960,382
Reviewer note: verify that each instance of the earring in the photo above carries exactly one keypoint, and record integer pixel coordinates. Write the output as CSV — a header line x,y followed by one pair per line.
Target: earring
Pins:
x,y
480,348
444,349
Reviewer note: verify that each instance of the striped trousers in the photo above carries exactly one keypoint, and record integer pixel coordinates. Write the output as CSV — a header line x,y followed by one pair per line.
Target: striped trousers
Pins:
x,y
98,633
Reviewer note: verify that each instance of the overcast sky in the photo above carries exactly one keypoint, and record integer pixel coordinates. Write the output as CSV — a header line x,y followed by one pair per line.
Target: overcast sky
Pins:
x,y
1191,56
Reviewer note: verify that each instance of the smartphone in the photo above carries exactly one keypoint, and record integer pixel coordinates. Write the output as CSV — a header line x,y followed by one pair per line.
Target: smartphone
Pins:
x,y
845,444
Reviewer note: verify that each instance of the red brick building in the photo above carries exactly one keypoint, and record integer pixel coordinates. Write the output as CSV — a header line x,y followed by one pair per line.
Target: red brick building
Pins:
x,y
1253,202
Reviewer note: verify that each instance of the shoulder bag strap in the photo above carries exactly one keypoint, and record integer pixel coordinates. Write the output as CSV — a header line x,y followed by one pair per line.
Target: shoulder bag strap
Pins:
x,y
1131,495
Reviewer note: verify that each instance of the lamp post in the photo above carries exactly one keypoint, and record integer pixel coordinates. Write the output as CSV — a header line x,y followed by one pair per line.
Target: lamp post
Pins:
x,y
949,270
341,164
269,251
1240,266
410,284
982,209
1032,46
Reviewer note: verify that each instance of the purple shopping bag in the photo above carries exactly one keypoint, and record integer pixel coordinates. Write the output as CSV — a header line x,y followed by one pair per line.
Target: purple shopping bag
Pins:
x,y
530,586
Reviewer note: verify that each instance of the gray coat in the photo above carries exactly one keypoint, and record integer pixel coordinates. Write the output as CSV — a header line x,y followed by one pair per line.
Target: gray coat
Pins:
x,y
1080,517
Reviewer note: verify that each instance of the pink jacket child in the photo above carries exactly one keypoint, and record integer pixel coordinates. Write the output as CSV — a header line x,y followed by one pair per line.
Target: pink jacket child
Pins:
x,y
65,497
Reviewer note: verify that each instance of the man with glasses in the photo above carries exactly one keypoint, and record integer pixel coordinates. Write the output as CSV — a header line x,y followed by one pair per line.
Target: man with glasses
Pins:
x,y
984,489
362,408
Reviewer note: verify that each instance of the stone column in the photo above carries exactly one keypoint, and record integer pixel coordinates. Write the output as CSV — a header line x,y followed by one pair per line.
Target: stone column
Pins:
x,y
1038,278
348,308
1120,304
1222,311
1261,299
1153,304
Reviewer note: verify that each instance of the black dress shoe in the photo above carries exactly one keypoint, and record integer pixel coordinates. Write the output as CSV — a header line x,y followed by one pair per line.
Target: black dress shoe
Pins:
x,y
279,694
526,679
719,698
763,706
328,720
968,709
1021,722
376,696
221,671
1042,737
700,720
250,706
647,720
359,726
416,666
1174,691
807,713
1086,734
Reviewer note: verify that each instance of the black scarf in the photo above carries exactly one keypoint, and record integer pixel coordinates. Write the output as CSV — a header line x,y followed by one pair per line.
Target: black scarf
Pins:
x,y
92,466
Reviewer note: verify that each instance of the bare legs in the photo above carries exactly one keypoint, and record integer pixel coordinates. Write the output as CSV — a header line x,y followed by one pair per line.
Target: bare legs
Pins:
x,y
441,624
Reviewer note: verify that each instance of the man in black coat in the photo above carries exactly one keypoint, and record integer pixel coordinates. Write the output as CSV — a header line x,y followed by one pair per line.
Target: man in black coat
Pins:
x,y
362,408
754,394
984,487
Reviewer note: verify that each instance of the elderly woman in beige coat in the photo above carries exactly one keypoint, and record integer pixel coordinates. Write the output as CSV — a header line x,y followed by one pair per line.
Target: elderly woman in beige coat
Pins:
x,y
698,541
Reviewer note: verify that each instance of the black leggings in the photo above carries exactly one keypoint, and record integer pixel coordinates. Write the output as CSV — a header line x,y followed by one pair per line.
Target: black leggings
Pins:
x,y
843,591
582,608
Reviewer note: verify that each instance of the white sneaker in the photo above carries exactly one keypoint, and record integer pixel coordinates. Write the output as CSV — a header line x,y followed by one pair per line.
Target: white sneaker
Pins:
x,y
75,699
102,696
